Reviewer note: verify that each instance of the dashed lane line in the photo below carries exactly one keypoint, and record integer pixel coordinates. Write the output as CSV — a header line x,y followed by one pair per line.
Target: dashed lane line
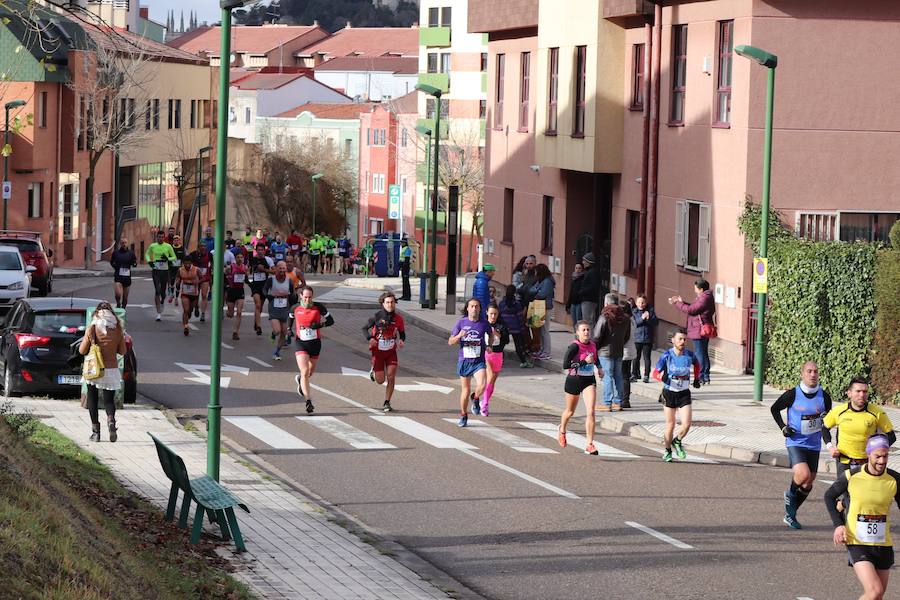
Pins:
x,y
547,486
659,535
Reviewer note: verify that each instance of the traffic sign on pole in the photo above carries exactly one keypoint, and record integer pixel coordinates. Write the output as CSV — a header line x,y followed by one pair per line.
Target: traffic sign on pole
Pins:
x,y
394,210
760,275
7,190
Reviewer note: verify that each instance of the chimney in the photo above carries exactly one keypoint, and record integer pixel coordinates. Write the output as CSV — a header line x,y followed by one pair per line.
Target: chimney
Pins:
x,y
315,23
145,12
349,25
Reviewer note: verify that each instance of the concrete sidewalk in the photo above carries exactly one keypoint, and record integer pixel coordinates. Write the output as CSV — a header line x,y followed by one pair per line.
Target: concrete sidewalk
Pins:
x,y
99,270
727,422
295,547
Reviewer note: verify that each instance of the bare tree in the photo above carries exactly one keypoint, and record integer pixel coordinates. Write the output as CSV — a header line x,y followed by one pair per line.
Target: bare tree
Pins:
x,y
462,164
286,185
113,89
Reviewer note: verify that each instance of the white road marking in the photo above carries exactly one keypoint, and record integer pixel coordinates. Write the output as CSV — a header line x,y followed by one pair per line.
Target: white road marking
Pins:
x,y
203,378
519,474
347,433
659,536
354,372
261,363
504,437
804,598
422,387
344,399
576,439
270,434
224,345
193,327
424,433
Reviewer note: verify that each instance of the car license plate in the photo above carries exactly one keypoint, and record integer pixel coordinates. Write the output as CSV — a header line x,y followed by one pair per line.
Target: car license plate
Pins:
x,y
68,379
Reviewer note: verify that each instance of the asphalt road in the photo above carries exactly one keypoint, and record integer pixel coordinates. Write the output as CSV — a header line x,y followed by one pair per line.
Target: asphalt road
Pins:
x,y
498,506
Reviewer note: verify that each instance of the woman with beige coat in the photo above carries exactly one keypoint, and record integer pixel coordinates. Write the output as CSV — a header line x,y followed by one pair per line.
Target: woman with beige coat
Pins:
x,y
106,332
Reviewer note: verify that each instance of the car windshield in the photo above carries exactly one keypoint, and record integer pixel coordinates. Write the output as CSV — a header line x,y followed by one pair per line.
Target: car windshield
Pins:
x,y
22,245
68,321
10,262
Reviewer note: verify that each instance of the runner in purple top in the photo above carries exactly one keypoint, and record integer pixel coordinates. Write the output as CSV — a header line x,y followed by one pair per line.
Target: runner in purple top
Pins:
x,y
471,333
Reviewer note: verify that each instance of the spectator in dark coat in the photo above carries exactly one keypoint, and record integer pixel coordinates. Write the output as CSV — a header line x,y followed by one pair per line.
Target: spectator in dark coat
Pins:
x,y
573,303
613,329
481,290
645,322
700,312
590,290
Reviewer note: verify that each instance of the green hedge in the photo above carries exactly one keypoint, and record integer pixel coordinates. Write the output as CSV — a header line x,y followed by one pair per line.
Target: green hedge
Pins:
x,y
886,352
821,305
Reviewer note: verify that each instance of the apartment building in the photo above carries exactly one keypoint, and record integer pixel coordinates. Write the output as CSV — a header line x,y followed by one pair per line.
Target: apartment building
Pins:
x,y
388,153
455,61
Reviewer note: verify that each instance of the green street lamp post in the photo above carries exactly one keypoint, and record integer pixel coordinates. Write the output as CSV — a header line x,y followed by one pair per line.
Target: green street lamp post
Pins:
x,y
199,192
427,133
432,275
315,179
8,106
770,62
214,408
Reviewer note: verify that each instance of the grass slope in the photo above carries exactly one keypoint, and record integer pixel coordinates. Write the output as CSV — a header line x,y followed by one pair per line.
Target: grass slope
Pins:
x,y
69,530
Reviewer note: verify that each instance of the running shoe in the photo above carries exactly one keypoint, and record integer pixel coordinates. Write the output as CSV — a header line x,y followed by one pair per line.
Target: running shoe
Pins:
x,y
196,311
187,331
202,317
561,438
386,407
667,455
679,449
591,449
259,331
309,406
626,404
158,317
616,407
524,365
272,336
633,379
646,380
276,355
235,336
299,387
789,508
463,421
372,374
476,405
791,521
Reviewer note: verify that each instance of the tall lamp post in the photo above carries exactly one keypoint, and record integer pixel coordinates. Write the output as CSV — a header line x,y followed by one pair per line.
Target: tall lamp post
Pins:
x,y
436,93
427,133
315,179
8,106
770,62
214,408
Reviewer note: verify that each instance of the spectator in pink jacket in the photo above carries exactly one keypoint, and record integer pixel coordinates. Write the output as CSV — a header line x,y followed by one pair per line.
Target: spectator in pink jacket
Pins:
x,y
700,312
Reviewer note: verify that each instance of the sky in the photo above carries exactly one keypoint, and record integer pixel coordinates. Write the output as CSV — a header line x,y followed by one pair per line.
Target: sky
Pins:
x,y
207,10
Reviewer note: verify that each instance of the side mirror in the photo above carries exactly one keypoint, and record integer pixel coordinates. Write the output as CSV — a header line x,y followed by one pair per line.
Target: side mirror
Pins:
x,y
49,253
30,269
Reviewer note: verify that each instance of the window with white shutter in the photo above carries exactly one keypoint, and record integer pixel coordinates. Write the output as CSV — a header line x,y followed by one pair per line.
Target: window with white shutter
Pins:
x,y
680,208
703,238
692,235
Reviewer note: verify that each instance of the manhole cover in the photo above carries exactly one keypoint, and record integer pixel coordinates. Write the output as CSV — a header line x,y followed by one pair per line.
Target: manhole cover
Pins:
x,y
707,424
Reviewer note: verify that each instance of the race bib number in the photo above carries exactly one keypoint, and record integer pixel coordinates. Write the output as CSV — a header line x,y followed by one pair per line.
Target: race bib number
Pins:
x,y
810,424
160,265
386,344
203,271
295,247
279,256
176,262
471,351
495,340
239,277
188,289
259,276
279,302
677,383
124,272
871,529
306,334
586,370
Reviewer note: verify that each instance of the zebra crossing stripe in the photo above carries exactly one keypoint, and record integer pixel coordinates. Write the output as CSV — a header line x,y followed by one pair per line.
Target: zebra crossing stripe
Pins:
x,y
347,433
423,433
268,433
504,437
576,439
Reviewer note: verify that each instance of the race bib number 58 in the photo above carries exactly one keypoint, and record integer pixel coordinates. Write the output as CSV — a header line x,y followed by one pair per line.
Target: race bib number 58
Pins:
x,y
871,529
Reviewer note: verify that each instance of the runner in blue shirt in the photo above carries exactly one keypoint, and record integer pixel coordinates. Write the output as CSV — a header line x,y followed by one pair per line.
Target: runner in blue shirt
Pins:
x,y
471,333
278,249
675,369
806,406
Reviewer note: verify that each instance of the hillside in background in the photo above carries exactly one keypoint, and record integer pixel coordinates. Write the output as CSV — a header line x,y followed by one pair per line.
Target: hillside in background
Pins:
x,y
331,14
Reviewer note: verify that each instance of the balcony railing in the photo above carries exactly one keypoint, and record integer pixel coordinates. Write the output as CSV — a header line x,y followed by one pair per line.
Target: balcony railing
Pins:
x,y
434,36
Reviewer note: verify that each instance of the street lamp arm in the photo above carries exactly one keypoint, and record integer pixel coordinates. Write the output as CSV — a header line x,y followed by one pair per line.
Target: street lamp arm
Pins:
x,y
758,55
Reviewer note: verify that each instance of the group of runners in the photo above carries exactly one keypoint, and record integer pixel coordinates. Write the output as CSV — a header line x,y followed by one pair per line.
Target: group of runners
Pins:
x,y
858,502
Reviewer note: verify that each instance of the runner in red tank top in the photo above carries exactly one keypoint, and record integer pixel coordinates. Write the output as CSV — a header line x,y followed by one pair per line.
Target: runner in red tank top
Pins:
x,y
386,333
235,280
309,317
